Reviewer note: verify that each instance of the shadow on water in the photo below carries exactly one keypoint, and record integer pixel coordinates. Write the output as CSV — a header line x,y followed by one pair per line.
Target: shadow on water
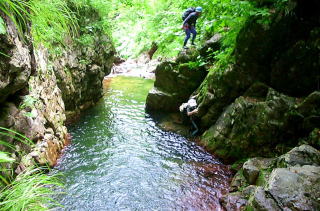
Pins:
x,y
119,159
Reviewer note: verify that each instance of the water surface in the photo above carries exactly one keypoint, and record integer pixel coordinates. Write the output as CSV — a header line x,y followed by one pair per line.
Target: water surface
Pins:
x,y
120,160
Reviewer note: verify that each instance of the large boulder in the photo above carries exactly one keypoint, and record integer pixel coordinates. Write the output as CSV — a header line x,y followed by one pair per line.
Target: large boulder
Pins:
x,y
218,91
211,46
173,85
252,168
261,200
249,127
300,156
296,188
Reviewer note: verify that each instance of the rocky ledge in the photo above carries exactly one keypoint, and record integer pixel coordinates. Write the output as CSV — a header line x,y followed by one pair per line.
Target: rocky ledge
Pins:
x,y
288,182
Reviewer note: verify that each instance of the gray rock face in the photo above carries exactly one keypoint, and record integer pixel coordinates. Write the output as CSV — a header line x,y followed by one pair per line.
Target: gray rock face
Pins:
x,y
41,118
252,167
39,90
261,200
249,127
218,91
81,68
296,187
15,65
300,156
173,86
233,202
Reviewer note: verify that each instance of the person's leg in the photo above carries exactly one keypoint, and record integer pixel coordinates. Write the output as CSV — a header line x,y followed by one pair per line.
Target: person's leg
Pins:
x,y
195,126
187,37
194,34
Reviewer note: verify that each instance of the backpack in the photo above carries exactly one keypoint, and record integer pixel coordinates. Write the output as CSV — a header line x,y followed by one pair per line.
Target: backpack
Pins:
x,y
187,12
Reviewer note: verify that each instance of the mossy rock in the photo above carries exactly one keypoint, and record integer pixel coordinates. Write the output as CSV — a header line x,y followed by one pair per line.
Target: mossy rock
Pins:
x,y
249,128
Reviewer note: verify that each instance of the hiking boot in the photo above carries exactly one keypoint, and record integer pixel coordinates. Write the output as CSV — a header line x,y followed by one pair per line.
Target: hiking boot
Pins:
x,y
193,44
185,47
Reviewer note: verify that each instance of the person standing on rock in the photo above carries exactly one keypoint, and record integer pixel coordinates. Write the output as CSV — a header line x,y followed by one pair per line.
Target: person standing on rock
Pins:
x,y
189,18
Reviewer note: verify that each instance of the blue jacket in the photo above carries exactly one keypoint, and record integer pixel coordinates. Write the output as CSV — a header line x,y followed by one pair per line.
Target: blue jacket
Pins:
x,y
191,20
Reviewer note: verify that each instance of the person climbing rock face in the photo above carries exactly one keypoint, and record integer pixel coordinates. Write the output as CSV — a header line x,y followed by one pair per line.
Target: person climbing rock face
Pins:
x,y
189,18
190,109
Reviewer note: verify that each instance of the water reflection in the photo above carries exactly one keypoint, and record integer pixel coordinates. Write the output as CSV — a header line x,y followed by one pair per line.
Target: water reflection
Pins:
x,y
120,160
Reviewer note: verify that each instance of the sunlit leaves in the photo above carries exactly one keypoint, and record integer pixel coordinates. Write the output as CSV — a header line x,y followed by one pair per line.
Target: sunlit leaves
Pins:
x,y
5,158
2,27
52,21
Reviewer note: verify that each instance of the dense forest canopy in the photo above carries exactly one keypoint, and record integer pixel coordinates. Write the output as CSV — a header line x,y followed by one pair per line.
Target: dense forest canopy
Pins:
x,y
135,24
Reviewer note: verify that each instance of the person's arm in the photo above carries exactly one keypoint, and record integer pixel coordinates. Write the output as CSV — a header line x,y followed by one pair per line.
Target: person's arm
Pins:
x,y
190,113
187,19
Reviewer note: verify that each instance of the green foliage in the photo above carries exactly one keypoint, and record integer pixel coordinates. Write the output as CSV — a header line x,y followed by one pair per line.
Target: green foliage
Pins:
x,y
198,63
31,190
52,21
2,27
28,101
5,158
17,11
11,134
16,136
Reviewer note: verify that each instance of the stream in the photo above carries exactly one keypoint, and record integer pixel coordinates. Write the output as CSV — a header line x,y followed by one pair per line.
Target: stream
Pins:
x,y
119,159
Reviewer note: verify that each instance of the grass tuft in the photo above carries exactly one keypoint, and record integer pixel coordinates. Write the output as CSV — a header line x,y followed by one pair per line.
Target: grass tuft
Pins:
x,y
31,190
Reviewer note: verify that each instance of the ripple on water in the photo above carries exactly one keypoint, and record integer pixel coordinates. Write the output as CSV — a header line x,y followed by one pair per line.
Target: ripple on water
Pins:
x,y
120,160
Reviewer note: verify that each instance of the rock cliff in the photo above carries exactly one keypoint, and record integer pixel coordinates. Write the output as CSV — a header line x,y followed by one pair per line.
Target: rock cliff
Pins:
x,y
81,67
38,88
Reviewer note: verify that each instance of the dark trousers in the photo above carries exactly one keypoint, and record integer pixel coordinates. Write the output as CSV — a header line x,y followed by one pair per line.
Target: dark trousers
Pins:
x,y
189,31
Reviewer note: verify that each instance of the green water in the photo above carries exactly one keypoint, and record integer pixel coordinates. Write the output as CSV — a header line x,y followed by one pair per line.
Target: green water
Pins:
x,y
120,160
